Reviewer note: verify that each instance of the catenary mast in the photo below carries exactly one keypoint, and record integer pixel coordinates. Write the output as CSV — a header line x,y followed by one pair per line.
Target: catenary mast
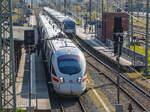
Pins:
x,y
7,73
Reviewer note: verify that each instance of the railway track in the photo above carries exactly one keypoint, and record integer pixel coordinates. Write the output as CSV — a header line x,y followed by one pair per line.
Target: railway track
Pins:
x,y
138,95
60,102
79,107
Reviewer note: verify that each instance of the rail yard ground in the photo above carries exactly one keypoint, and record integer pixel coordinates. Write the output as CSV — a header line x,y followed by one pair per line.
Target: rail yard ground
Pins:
x,y
101,93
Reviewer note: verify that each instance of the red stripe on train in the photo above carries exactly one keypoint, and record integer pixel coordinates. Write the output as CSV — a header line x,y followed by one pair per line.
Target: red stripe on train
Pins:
x,y
84,79
54,79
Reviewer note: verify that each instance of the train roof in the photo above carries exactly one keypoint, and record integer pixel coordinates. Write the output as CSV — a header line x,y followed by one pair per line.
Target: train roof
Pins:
x,y
57,15
48,25
64,47
63,44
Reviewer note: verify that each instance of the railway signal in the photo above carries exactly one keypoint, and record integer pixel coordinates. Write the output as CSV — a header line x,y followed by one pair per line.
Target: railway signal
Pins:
x,y
28,38
118,36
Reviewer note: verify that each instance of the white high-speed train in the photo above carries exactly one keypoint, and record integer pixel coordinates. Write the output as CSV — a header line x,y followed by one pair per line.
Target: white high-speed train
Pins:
x,y
65,62
66,23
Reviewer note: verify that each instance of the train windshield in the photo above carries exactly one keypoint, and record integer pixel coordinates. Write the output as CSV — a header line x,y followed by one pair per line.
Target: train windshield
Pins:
x,y
69,25
69,64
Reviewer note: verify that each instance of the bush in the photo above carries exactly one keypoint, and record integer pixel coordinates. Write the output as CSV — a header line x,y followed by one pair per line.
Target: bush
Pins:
x,y
20,110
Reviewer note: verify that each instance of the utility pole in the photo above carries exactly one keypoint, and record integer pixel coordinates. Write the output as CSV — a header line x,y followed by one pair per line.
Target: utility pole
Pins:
x,y
7,70
31,4
65,6
102,14
129,33
131,26
147,39
107,5
102,7
90,6
97,11
137,8
119,4
59,5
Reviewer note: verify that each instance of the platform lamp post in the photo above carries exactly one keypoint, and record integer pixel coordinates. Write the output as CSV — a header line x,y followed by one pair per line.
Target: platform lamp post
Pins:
x,y
65,6
102,7
90,9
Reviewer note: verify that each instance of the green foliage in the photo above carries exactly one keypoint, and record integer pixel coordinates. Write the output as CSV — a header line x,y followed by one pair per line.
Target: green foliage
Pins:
x,y
148,77
139,49
2,111
20,110
79,22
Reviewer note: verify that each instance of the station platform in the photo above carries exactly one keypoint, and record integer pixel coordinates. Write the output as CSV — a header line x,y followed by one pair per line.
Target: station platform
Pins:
x,y
89,38
41,100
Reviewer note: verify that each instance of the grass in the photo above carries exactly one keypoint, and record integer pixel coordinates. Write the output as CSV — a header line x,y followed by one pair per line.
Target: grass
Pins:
x,y
139,79
18,110
93,97
139,49
78,22
140,21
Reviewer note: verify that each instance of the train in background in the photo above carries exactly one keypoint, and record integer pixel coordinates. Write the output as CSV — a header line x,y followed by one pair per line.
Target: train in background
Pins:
x,y
65,62
67,24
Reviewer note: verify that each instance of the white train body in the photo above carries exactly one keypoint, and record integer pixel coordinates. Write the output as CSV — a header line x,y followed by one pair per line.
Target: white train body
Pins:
x,y
66,23
65,62
69,64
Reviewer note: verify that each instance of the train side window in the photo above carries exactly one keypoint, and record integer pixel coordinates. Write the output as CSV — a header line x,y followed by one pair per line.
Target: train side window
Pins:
x,y
53,71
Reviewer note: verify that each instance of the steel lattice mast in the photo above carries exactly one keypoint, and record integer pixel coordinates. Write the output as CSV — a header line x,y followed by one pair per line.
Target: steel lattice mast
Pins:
x,y
7,74
147,41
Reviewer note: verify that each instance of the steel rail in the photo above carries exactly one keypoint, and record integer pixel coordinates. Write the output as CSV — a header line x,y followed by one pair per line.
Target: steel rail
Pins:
x,y
76,38
81,105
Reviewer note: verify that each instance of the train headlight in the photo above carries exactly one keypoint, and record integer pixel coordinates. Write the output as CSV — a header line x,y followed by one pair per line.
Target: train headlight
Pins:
x,y
61,80
79,80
